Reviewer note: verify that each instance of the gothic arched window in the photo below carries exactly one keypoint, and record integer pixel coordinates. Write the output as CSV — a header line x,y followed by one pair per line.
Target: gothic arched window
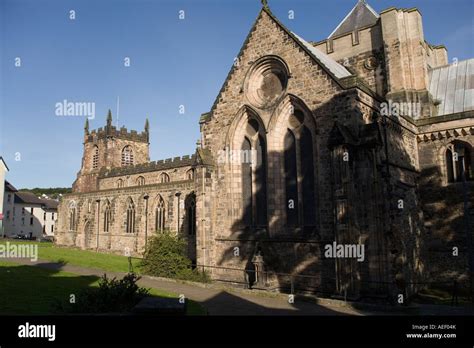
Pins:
x,y
160,215
72,216
191,214
107,217
130,222
307,177
449,165
299,172
164,178
140,181
291,179
127,156
458,162
190,174
95,157
253,163
119,183
246,169
261,182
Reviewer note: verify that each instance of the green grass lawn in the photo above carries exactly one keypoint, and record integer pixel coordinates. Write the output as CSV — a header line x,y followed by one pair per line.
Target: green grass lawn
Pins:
x,y
27,290
440,297
32,290
84,258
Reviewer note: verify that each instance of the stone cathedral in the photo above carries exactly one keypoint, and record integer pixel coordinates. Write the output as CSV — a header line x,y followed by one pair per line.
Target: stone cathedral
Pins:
x,y
363,138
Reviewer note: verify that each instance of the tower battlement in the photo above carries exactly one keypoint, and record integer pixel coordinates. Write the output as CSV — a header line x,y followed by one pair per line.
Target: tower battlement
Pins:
x,y
110,147
110,131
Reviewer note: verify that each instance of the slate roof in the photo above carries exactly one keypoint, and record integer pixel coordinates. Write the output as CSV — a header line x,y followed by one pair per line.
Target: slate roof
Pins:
x,y
361,15
30,198
50,204
453,86
27,198
9,187
337,69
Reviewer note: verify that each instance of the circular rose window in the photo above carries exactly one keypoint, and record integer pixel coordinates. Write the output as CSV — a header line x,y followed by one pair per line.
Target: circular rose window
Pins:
x,y
267,82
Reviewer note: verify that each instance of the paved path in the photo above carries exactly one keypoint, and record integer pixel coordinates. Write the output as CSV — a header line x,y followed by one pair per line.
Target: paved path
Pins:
x,y
216,299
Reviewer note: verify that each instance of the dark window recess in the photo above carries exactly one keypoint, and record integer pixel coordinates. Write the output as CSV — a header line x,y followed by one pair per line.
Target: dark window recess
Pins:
x,y
291,187
247,186
261,183
191,212
307,174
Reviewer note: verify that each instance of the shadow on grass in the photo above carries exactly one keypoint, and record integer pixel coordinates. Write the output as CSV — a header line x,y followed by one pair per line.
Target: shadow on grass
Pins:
x,y
33,289
44,289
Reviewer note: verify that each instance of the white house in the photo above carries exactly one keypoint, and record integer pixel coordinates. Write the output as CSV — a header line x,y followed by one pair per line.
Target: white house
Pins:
x,y
3,171
27,215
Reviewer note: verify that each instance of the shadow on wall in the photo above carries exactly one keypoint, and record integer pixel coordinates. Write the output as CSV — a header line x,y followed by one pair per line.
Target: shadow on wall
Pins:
x,y
283,254
290,262
299,251
443,207
188,226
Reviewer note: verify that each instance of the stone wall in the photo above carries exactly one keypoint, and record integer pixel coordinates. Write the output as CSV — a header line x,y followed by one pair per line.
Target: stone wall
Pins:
x,y
89,233
150,178
316,95
403,37
390,195
312,91
109,149
362,52
443,202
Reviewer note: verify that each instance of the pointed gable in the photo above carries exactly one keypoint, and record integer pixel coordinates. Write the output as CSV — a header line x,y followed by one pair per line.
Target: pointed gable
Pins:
x,y
332,67
361,15
329,65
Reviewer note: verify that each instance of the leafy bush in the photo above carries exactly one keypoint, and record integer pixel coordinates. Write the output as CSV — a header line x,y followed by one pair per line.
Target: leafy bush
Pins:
x,y
112,296
166,257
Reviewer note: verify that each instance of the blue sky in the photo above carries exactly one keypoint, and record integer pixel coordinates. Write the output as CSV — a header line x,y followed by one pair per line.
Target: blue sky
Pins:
x,y
173,62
